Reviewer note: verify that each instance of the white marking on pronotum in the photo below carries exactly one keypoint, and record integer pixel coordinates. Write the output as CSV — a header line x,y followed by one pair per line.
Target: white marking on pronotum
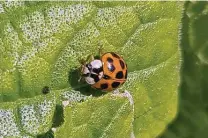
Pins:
x,y
96,63
89,80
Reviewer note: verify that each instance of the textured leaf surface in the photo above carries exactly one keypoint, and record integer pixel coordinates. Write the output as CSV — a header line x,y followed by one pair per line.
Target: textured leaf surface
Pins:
x,y
41,43
192,120
82,120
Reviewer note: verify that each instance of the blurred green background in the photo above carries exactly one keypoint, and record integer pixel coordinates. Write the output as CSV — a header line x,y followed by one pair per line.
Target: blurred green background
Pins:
x,y
192,118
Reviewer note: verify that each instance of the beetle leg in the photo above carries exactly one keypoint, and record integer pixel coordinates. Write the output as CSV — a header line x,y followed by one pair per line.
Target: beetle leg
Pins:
x,y
81,61
90,58
81,69
100,50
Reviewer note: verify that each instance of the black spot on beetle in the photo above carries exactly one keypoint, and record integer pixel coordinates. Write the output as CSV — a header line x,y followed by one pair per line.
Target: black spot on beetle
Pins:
x,y
89,66
119,75
110,60
114,55
106,77
97,70
126,74
95,77
115,84
45,90
104,86
111,67
122,64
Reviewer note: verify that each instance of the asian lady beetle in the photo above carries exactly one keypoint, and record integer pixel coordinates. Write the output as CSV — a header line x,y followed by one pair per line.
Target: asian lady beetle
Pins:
x,y
107,73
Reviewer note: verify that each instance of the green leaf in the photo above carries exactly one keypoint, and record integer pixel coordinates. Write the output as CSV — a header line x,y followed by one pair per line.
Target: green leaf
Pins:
x,y
41,44
27,117
98,120
192,117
